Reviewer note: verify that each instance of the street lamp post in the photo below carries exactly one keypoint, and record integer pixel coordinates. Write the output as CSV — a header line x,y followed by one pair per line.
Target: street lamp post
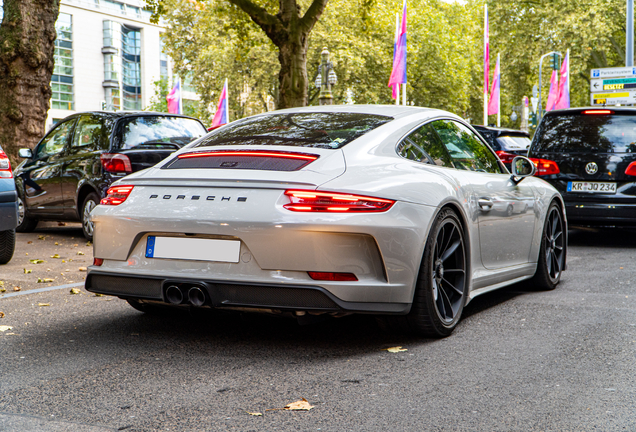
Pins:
x,y
540,112
325,79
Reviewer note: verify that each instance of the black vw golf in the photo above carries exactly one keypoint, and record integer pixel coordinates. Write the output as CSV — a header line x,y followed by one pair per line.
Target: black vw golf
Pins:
x,y
589,155
66,175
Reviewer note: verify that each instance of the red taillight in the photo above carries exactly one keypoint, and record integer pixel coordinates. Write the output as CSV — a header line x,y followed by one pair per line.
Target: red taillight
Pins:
x,y
505,156
312,201
597,112
545,167
631,169
250,153
335,277
5,166
98,261
116,195
116,163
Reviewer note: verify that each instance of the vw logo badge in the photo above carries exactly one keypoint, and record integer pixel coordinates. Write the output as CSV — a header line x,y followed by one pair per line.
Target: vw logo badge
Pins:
x,y
591,168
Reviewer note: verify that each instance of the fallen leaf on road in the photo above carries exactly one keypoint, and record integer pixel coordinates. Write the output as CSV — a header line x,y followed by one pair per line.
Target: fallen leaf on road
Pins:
x,y
80,253
41,237
44,304
55,256
89,243
2,289
61,224
74,291
5,328
1,283
99,295
29,242
37,261
63,261
16,288
1,314
82,269
45,280
396,349
56,244
27,271
75,245
301,405
257,414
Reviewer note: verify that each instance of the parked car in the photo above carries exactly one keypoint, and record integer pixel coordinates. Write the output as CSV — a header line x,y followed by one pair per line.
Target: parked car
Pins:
x,y
331,210
73,166
507,143
8,209
589,155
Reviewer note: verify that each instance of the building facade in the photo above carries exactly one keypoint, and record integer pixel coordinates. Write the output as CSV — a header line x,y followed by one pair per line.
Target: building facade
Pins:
x,y
108,55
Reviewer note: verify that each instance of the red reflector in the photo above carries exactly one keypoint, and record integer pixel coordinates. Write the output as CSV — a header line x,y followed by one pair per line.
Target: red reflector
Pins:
x,y
116,195
312,201
505,156
5,166
545,167
98,261
250,153
116,163
330,276
631,169
598,112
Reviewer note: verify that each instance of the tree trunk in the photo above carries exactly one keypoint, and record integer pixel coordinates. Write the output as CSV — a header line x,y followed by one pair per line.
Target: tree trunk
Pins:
x,y
27,36
292,77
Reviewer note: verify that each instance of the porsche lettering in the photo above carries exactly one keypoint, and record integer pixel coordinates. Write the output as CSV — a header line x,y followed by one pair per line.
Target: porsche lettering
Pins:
x,y
197,197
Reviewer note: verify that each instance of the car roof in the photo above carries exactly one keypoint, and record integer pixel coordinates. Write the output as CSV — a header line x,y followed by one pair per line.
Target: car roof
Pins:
x,y
501,131
395,111
123,114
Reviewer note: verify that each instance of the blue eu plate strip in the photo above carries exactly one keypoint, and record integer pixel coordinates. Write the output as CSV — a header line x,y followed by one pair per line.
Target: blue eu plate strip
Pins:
x,y
569,186
150,247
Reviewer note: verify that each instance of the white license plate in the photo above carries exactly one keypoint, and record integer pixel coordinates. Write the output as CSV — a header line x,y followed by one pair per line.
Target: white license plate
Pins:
x,y
193,249
592,187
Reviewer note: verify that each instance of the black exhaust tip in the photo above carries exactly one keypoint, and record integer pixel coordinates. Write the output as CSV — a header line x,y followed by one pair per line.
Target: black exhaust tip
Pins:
x,y
196,296
174,295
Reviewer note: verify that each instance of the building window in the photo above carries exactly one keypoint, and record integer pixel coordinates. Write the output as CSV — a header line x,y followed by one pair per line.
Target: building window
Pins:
x,y
163,61
62,79
131,68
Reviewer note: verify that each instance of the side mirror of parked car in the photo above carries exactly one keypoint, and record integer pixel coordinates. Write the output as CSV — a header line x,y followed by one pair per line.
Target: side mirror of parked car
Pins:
x,y
25,153
521,168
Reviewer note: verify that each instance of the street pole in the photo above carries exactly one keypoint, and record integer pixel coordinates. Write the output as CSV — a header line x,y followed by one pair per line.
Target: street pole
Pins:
x,y
540,110
325,98
629,34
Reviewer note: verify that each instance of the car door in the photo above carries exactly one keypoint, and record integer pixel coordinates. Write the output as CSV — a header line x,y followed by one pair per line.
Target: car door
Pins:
x,y
41,175
81,162
504,210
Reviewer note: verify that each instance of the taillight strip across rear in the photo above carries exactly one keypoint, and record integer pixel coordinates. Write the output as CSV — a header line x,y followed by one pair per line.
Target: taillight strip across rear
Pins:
x,y
334,202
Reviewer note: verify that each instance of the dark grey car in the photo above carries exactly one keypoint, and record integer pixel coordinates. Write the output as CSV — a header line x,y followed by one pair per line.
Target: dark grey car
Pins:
x,y
8,209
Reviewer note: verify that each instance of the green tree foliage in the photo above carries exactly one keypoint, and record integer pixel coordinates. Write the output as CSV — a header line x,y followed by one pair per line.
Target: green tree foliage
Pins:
x,y
216,40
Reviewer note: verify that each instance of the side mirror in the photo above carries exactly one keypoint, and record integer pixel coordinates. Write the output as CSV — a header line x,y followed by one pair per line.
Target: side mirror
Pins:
x,y
25,153
521,168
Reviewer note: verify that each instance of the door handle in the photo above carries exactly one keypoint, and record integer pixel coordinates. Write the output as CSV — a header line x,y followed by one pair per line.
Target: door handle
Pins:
x,y
485,204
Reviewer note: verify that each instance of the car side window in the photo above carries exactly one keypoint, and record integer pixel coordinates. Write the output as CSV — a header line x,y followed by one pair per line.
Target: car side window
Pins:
x,y
423,145
55,140
88,132
465,149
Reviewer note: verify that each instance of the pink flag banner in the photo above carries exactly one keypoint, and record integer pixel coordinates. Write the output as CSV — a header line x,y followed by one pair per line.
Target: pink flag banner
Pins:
x,y
174,99
398,74
221,115
554,88
563,99
493,104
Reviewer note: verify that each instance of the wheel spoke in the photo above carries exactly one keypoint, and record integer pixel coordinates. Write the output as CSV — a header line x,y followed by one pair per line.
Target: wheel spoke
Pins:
x,y
454,270
448,242
548,259
554,222
448,307
447,283
451,250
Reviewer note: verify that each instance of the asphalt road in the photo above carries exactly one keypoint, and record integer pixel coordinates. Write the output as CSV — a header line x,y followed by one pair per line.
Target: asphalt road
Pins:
x,y
518,361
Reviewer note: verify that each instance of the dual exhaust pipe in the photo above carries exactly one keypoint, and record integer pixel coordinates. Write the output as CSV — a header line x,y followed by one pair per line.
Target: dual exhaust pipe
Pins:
x,y
193,295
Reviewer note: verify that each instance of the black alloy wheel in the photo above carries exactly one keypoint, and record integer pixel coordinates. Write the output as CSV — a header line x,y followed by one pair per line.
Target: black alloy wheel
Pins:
x,y
553,251
25,223
440,293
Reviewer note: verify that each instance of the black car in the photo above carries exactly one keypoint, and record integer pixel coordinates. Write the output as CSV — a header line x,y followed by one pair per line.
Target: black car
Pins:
x,y
507,143
589,155
72,167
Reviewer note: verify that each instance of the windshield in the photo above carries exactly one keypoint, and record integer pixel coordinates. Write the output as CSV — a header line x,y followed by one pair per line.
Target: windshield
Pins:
x,y
587,133
514,142
158,132
321,130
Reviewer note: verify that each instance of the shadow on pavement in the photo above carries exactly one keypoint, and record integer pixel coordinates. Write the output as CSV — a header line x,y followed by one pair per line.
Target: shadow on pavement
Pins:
x,y
603,237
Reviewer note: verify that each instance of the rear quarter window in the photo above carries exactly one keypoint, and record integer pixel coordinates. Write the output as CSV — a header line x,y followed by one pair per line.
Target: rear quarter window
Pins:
x,y
586,133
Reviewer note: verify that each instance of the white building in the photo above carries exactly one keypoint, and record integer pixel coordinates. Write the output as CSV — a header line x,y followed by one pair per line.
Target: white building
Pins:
x,y
107,55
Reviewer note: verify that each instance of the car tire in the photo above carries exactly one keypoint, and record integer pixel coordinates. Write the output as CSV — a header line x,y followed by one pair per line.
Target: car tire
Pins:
x,y
91,200
552,252
25,223
7,245
440,292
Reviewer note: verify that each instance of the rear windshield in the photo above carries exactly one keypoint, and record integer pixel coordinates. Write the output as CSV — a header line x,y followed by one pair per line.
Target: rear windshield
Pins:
x,y
321,130
586,133
152,132
514,142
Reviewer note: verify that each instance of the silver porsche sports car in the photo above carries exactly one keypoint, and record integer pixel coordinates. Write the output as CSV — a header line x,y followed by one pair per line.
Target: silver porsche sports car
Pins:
x,y
397,211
